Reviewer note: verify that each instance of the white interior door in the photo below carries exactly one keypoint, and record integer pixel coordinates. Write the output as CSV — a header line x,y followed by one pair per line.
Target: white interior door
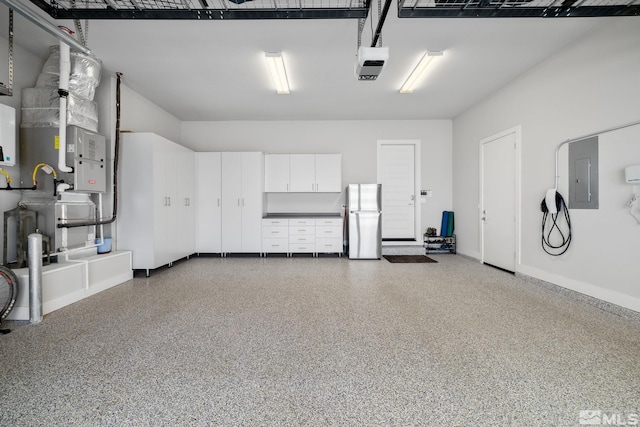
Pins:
x,y
498,201
397,176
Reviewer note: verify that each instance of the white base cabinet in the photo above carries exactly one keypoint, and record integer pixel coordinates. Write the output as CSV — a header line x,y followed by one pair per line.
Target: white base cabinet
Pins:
x,y
312,235
275,236
156,211
329,235
302,235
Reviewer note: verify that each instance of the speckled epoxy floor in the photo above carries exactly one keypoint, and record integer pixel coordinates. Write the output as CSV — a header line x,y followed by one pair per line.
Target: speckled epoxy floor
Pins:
x,y
321,341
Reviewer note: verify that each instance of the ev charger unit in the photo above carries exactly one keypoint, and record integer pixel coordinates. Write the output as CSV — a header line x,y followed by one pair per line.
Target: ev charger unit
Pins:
x,y
371,60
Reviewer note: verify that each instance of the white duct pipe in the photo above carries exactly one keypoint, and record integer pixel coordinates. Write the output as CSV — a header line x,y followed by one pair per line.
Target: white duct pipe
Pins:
x,y
35,18
63,90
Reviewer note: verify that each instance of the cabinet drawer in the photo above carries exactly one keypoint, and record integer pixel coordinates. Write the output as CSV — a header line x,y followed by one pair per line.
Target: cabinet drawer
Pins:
x,y
275,221
328,231
302,248
302,221
328,245
302,229
275,245
329,221
282,232
302,238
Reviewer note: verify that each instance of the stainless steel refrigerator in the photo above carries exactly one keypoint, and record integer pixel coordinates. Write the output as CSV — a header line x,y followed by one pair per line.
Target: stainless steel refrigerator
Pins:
x,y
365,221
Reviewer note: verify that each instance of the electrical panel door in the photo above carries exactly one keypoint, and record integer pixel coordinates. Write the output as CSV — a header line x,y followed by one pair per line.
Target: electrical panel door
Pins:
x,y
583,174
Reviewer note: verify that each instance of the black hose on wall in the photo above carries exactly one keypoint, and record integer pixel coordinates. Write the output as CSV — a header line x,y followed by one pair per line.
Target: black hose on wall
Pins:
x,y
116,157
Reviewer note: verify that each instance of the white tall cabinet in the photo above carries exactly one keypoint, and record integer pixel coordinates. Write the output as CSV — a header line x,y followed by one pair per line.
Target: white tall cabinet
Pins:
x,y
156,200
209,203
242,175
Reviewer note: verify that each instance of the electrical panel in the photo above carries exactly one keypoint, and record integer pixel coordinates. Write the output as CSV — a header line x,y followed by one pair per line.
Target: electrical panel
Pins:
x,y
7,135
583,174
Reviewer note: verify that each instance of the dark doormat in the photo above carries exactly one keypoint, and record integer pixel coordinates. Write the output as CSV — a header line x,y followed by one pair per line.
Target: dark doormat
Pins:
x,y
408,258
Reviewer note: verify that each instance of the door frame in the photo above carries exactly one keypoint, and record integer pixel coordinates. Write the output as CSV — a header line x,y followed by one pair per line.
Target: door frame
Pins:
x,y
517,131
417,161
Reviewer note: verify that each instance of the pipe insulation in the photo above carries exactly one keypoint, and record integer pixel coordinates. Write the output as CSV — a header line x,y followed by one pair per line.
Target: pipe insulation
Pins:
x,y
63,91
34,246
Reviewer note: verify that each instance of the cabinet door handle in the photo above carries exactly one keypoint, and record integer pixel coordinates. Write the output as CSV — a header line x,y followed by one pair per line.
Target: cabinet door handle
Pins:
x,y
169,201
238,202
218,202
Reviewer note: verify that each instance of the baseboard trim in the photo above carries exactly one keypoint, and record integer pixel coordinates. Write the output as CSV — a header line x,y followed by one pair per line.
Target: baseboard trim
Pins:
x,y
606,299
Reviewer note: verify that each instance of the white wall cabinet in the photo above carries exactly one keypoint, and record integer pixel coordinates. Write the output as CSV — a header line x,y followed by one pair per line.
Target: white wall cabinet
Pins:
x,y
156,200
242,175
303,173
328,173
209,203
276,173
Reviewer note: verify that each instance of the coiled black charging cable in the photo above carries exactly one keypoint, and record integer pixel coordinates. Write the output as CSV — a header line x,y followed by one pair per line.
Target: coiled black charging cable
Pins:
x,y
565,241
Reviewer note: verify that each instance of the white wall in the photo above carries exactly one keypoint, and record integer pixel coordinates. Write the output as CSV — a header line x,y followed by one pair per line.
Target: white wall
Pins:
x,y
138,114
355,140
588,87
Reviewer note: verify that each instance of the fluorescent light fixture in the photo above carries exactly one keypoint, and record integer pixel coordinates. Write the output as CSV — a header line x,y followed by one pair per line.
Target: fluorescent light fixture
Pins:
x,y
416,75
275,65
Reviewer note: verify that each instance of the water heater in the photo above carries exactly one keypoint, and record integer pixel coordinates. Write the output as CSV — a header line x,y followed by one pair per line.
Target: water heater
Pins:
x,y
7,135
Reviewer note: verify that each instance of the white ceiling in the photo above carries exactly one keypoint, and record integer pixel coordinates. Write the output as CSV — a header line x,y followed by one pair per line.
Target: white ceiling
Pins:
x,y
214,70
